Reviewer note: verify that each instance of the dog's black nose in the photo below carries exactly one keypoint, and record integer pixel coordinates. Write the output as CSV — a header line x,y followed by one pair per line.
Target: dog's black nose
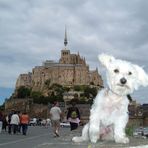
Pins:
x,y
123,80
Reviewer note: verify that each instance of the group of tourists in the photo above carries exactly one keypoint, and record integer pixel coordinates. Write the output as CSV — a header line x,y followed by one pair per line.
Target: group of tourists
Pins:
x,y
17,122
56,115
14,122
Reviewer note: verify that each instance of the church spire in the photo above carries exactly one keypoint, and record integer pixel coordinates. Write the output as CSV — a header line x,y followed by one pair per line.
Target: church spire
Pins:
x,y
65,39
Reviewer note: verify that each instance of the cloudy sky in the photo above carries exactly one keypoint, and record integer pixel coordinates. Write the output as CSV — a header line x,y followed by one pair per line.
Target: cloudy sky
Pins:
x,y
32,31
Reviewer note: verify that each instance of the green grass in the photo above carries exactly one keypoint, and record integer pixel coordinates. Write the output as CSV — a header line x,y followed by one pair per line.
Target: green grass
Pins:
x,y
129,131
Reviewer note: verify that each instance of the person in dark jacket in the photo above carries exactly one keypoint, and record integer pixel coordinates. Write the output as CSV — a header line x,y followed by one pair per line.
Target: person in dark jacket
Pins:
x,y
9,120
73,116
4,127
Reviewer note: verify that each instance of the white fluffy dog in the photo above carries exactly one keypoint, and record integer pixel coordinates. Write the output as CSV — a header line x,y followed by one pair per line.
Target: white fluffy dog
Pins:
x,y
109,112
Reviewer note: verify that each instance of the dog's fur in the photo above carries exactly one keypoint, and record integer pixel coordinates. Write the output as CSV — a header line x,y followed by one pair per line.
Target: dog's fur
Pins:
x,y
109,112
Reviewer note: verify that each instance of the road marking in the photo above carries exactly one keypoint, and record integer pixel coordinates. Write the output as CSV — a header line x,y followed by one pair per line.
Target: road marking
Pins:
x,y
29,138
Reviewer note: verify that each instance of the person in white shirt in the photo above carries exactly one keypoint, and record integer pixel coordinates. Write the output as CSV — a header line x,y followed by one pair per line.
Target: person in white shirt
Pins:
x,y
14,122
55,115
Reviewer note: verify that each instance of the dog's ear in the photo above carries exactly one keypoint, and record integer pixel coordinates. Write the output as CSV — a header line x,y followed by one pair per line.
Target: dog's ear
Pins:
x,y
105,59
142,76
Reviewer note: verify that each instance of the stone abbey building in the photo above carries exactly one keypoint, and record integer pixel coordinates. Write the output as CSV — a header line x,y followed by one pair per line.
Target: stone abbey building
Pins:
x,y
71,70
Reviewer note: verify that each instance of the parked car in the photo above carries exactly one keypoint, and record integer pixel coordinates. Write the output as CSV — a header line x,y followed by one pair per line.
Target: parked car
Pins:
x,y
65,124
145,132
43,122
39,120
139,132
33,122
46,122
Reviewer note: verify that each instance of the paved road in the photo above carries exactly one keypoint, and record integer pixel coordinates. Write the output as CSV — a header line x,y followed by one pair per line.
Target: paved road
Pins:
x,y
36,136
41,137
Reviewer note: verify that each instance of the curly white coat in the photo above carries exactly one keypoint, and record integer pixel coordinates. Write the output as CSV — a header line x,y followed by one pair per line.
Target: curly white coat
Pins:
x,y
109,112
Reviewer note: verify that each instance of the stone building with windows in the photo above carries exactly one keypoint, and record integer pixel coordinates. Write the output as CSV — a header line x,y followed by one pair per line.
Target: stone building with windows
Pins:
x,y
70,70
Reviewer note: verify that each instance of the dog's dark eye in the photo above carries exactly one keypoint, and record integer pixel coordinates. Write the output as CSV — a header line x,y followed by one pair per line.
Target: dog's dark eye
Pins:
x,y
129,73
116,71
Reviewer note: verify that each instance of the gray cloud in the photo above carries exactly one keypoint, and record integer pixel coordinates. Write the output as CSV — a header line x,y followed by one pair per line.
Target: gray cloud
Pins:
x,y
32,31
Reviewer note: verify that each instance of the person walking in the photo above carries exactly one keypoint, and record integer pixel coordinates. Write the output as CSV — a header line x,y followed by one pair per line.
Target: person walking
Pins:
x,y
5,122
73,116
55,116
19,126
14,122
1,121
8,118
24,121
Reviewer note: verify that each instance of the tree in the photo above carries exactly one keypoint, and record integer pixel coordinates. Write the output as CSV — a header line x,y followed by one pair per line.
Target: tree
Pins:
x,y
80,87
66,89
57,92
23,92
37,97
36,94
77,88
2,107
90,92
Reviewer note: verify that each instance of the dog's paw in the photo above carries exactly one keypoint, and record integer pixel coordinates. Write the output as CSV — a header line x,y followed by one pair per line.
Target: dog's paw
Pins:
x,y
94,139
77,139
122,140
